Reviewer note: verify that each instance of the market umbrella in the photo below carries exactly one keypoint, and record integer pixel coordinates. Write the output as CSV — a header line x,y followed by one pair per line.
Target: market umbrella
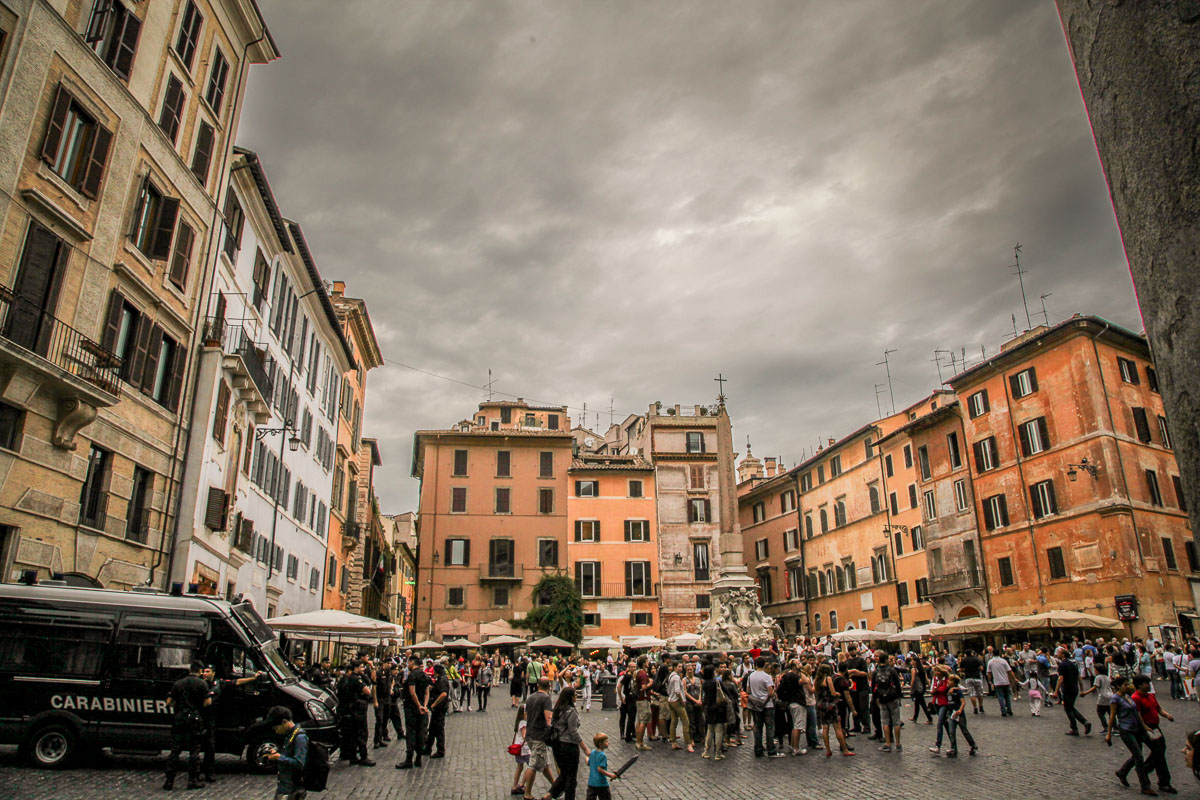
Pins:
x,y
460,643
646,641
501,641
1069,619
455,627
330,623
550,641
973,625
686,639
599,643
427,645
499,627
916,634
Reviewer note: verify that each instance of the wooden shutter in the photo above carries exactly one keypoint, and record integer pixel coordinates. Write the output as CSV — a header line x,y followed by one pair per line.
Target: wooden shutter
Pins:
x,y
175,389
221,418
168,211
986,406
579,530
596,531
1024,436
1033,386
628,530
1142,424
628,578
183,256
691,510
215,509
101,141
1035,502
1003,511
1044,432
1014,384
708,517
202,156
112,321
150,361
989,519
141,343
127,45
1051,499
58,120
578,488
95,29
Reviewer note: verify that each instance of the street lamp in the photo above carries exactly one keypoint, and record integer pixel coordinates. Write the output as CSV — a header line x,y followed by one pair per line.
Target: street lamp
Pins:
x,y
1089,468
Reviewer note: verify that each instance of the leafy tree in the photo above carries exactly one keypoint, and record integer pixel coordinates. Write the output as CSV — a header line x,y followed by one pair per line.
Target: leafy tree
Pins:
x,y
559,612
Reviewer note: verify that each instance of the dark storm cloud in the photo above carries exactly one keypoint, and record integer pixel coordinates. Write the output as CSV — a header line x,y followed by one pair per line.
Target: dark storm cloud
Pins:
x,y
618,199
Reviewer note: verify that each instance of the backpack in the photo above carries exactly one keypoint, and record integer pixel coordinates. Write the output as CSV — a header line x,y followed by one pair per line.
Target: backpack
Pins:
x,y
316,767
888,687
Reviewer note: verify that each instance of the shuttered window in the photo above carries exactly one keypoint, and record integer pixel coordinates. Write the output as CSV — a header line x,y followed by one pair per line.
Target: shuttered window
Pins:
x,y
545,501
546,464
202,154
587,530
215,509
154,222
977,404
76,146
1035,436
995,512
171,115
1141,424
221,417
503,464
637,530
218,73
235,219
113,32
460,463
637,578
189,34
1023,383
181,261
699,510
985,454
1042,499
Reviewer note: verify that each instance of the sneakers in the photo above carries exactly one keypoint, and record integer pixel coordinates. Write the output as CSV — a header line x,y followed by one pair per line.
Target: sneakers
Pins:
x,y
887,748
899,749
936,750
951,754
1087,729
973,751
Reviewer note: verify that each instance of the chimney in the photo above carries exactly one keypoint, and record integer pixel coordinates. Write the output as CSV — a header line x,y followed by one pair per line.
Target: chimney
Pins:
x,y
771,466
832,442
339,288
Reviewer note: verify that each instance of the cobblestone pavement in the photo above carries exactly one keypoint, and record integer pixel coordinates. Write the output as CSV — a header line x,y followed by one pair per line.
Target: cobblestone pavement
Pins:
x,y
1019,756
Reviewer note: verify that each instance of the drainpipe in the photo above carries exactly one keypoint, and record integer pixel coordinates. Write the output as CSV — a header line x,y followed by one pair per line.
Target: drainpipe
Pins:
x,y
803,562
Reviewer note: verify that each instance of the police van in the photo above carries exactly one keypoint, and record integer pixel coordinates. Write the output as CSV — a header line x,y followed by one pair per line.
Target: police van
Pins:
x,y
94,668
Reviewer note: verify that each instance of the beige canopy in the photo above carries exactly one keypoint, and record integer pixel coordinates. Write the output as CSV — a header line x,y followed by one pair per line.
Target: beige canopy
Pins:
x,y
455,627
501,641
1028,622
550,641
499,627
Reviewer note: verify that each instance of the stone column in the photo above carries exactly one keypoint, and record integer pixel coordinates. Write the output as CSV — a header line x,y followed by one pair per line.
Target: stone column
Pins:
x,y
734,574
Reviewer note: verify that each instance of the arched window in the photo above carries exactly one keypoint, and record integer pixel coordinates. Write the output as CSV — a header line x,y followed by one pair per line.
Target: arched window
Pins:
x,y
875,508
833,621
808,528
841,580
839,514
824,521
816,622
851,575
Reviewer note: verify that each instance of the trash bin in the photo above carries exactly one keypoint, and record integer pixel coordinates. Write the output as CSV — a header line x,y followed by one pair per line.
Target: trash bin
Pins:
x,y
608,693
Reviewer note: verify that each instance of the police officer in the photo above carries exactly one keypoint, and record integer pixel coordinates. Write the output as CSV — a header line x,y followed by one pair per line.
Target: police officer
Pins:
x,y
321,675
354,695
209,714
394,714
188,696
415,693
383,704
437,713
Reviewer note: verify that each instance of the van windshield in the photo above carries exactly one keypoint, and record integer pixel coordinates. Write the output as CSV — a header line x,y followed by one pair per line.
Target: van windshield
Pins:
x,y
277,663
253,623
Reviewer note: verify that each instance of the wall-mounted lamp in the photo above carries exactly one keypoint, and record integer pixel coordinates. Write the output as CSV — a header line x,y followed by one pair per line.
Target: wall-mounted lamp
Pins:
x,y
436,557
1085,465
678,559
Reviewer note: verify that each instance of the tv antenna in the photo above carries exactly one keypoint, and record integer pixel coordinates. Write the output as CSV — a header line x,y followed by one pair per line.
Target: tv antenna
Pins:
x,y
1045,315
610,412
489,385
879,387
1021,279
937,359
887,366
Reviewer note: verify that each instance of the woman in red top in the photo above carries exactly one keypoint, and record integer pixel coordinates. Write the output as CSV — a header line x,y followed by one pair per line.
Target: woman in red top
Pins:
x,y
938,692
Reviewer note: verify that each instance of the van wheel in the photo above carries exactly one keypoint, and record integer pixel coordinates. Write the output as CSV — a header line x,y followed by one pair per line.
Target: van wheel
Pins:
x,y
52,747
256,749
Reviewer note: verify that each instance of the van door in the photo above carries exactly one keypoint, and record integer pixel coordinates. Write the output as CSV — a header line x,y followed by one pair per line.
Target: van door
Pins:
x,y
151,653
239,707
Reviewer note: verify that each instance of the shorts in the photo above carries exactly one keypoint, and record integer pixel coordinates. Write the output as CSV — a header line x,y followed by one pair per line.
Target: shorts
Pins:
x,y
299,794
598,793
889,714
974,687
643,712
539,755
799,716
522,759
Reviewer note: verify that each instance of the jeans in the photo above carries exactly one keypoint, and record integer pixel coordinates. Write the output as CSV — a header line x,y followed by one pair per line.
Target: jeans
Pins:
x,y
482,693
1157,760
566,756
1133,740
810,732
678,713
1073,715
1176,684
628,719
1004,695
943,723
764,722
714,739
960,724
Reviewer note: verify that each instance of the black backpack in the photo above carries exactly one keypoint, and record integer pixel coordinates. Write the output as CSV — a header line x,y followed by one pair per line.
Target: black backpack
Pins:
x,y
316,767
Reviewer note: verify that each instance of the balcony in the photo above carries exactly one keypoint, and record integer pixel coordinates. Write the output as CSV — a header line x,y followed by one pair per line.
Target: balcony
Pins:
x,y
502,572
82,374
955,582
623,591
246,360
351,535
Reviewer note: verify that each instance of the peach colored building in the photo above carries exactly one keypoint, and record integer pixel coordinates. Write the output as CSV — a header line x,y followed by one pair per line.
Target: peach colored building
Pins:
x,y
612,546
770,521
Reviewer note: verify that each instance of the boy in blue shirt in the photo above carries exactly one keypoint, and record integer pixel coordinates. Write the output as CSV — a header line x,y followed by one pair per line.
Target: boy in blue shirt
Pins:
x,y
292,758
598,773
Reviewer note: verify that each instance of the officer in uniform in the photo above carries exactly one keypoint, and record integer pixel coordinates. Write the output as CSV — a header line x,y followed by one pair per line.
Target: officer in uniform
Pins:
x,y
321,675
188,696
354,695
209,714
394,714
383,704
437,713
415,693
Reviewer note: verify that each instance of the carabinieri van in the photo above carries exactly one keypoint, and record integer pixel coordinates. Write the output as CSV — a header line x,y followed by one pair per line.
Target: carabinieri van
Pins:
x,y
94,668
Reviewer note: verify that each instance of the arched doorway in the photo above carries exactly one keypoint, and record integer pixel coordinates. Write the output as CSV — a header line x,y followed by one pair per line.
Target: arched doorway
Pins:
x,y
81,581
968,612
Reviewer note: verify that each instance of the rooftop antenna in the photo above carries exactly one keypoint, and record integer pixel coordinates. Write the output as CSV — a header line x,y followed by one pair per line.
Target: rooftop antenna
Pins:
x,y
1045,315
879,387
1021,278
610,412
937,359
888,367
1014,320
489,385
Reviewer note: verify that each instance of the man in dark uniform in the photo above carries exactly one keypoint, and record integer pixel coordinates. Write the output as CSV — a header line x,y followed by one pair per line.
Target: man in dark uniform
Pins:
x,y
354,695
209,714
415,692
321,675
391,708
437,713
188,696
383,704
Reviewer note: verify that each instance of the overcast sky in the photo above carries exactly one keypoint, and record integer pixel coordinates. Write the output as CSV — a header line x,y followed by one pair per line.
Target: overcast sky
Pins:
x,y
617,199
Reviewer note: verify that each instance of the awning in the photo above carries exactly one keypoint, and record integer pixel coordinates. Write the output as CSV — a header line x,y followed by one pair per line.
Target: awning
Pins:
x,y
330,623
916,634
502,641
550,641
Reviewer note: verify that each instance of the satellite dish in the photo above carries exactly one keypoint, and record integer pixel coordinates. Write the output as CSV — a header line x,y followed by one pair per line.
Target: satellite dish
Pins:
x,y
633,451
589,442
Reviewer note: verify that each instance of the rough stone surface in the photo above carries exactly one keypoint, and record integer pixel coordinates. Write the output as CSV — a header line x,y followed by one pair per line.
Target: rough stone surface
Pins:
x,y
737,622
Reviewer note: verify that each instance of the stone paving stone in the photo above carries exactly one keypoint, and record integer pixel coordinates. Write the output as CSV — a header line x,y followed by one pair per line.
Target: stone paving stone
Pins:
x,y
1019,756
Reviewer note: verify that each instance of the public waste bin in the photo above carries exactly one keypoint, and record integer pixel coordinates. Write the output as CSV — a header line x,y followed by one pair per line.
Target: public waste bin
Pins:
x,y
608,693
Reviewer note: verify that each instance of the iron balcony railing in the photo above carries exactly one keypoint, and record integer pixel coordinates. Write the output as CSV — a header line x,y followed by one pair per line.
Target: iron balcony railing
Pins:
x,y
233,340
501,572
955,581
29,326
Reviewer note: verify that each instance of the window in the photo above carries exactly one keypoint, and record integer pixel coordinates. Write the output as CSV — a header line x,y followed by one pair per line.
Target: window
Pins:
x,y
637,530
458,500
1023,383
221,415
113,33
1058,566
314,582
952,446
506,415
995,512
455,596
331,572
703,601
765,591
1180,500
795,583
530,421
760,512
587,578
696,476
635,489
499,596
181,261
587,488
1035,437
1042,499
503,500
806,482
587,530
171,115
202,154
546,464
699,510
912,495
545,501
12,422
908,461
824,520
217,75
887,465
1141,424
1152,488
460,463
458,552
839,512
501,558
641,619
869,450
808,526
189,34
547,552
817,622
137,518
923,461
591,619
986,457
787,501
235,219
762,549
154,222
695,442
637,579
1128,370
833,620
930,505
1169,553
879,567
1152,379
835,466
93,497
791,540
977,404
893,502
883,611
902,593
552,422
76,146
873,491
918,538
1006,571
899,541
1189,547
293,567
1163,433
700,569
820,473
922,589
